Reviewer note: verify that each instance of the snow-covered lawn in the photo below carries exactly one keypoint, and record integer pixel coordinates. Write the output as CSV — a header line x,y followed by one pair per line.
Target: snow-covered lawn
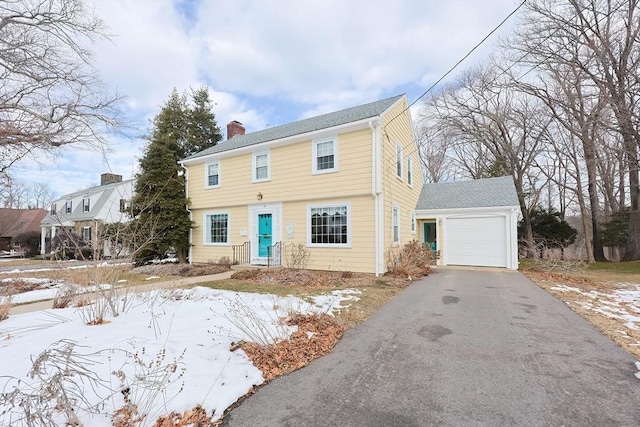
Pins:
x,y
167,350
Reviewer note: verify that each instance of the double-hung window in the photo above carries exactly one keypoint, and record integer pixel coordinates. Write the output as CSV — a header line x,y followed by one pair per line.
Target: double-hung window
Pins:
x,y
395,221
399,160
216,230
329,225
86,234
325,155
68,207
213,174
54,208
409,171
86,204
261,167
413,223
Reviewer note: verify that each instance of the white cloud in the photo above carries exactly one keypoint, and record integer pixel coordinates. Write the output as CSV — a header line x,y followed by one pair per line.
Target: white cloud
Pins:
x,y
268,62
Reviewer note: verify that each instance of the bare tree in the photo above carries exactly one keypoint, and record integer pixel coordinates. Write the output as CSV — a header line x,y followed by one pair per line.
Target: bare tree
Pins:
x,y
601,39
50,95
502,127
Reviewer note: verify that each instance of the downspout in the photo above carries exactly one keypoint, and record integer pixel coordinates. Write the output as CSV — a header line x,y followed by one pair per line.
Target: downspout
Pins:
x,y
186,195
375,192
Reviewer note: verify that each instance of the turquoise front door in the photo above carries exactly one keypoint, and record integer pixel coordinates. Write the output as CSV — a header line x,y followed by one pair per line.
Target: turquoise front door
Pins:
x,y
430,235
264,234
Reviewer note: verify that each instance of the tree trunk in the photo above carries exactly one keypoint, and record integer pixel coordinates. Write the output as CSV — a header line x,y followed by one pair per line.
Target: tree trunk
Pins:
x,y
632,252
590,159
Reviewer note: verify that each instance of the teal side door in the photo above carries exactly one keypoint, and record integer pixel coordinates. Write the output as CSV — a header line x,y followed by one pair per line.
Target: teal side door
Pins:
x,y
264,234
430,235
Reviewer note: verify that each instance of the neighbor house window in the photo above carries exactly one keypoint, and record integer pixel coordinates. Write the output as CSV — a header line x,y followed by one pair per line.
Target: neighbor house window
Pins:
x,y
67,207
216,228
213,175
261,166
413,222
125,205
54,209
325,156
395,221
329,225
409,170
86,207
86,234
399,160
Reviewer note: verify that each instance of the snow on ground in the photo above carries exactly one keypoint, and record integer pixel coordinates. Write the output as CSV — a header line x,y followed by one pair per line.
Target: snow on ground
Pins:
x,y
48,289
167,350
62,267
621,304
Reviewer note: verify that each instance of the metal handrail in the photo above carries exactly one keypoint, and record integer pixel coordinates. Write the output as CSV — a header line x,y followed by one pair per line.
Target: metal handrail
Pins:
x,y
241,253
274,254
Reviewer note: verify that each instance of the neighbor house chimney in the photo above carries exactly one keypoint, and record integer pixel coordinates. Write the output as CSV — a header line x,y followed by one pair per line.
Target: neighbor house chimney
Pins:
x,y
110,178
234,128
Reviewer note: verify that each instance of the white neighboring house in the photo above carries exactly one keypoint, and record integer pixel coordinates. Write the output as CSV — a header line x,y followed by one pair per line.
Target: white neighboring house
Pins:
x,y
87,210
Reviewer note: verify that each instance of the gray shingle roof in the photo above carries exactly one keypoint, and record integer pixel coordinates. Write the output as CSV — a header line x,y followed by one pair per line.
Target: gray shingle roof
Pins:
x,y
480,193
324,121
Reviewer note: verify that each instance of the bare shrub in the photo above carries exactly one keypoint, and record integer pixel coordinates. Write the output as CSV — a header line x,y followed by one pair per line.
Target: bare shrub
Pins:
x,y
297,255
225,261
412,261
252,324
65,296
183,270
192,417
147,383
61,375
5,306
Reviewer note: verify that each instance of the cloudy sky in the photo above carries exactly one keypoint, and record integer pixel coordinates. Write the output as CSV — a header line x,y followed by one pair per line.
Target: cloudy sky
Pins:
x,y
267,63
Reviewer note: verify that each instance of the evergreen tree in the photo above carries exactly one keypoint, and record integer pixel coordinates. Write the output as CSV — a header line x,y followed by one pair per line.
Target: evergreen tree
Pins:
x,y
550,229
159,206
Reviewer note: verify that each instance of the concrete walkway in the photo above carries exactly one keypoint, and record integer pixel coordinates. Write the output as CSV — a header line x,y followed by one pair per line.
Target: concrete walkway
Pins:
x,y
188,281
459,348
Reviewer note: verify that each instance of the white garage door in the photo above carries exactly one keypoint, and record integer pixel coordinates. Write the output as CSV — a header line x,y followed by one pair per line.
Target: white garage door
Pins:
x,y
478,241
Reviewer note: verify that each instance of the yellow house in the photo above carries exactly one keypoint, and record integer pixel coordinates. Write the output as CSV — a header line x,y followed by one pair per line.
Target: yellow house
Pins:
x,y
340,188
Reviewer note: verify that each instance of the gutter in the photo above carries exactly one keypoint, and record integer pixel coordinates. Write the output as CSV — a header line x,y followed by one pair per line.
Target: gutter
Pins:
x,y
376,187
186,194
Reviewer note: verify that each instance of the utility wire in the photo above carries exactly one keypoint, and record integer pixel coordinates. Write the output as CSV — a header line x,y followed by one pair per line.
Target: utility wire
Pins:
x,y
460,61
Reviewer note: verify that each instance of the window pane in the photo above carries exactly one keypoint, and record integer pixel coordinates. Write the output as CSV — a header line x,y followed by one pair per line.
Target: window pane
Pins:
x,y
261,160
396,226
399,160
262,172
409,177
218,228
325,148
213,179
329,225
325,162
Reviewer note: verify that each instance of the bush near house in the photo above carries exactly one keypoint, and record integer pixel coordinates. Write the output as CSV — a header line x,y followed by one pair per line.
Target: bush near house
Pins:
x,y
70,245
412,261
29,241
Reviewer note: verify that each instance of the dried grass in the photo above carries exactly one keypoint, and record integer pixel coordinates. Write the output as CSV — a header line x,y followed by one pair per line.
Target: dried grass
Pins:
x,y
315,337
65,296
183,270
5,306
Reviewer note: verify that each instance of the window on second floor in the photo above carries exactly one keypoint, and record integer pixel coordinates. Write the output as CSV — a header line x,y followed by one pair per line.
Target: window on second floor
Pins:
x,y
86,205
213,175
68,207
399,160
125,205
54,209
409,170
325,156
261,167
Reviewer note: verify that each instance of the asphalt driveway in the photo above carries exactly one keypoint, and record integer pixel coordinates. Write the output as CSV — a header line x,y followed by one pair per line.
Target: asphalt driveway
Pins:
x,y
459,348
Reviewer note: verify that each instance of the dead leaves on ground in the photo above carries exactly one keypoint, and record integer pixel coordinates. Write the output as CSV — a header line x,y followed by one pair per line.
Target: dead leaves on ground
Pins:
x,y
315,337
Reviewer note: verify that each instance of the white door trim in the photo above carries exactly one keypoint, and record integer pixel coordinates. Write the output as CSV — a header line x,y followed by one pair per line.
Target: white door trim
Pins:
x,y
275,209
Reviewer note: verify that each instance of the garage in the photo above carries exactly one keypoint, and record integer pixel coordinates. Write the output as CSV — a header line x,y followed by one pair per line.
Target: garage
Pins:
x,y
476,241
471,223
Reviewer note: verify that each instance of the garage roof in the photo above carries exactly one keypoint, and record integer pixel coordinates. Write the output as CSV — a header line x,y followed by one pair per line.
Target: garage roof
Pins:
x,y
481,193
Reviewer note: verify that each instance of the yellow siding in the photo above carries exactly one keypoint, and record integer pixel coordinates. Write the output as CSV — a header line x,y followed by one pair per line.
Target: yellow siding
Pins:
x,y
359,257
291,175
397,128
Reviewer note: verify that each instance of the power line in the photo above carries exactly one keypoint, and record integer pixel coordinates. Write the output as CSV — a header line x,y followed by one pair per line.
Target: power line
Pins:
x,y
460,61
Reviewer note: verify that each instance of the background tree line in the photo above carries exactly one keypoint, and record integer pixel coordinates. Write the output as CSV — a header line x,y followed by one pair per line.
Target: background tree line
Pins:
x,y
557,108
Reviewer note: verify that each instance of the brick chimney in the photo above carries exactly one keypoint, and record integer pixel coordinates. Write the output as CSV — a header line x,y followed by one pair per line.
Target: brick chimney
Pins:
x,y
110,178
234,128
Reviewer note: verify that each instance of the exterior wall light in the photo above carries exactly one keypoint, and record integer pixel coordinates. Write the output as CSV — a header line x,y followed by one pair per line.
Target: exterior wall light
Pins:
x,y
259,196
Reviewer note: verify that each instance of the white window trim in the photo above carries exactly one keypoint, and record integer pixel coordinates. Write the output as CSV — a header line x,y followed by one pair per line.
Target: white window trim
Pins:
x,y
68,207
206,231
410,171
395,208
329,205
314,151
84,229
86,204
253,164
399,150
413,223
206,174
